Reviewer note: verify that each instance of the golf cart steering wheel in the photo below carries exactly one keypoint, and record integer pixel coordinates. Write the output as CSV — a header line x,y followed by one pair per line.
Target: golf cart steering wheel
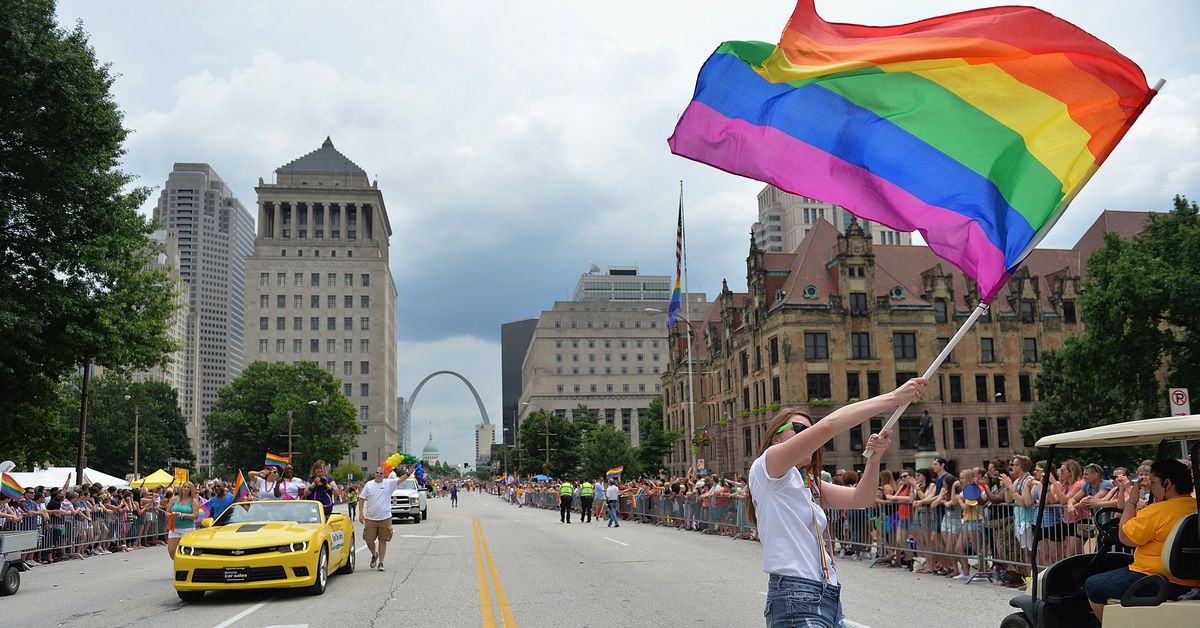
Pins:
x,y
1108,533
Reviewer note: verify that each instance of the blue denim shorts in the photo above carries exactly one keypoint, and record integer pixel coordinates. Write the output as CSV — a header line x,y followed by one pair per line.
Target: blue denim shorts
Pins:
x,y
1110,584
794,602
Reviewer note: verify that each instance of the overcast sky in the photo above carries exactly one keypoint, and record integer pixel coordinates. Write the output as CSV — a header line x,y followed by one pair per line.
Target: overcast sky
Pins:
x,y
516,142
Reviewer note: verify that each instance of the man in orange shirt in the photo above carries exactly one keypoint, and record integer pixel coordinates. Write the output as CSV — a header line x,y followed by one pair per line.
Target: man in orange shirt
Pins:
x,y
1146,530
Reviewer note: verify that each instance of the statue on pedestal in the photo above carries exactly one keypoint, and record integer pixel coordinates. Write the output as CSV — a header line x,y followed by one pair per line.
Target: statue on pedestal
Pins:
x,y
925,438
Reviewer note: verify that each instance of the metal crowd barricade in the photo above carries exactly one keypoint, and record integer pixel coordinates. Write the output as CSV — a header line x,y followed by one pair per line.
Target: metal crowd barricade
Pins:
x,y
89,529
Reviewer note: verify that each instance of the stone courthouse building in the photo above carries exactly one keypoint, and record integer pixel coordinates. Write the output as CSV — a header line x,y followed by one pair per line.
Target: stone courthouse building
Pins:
x,y
841,319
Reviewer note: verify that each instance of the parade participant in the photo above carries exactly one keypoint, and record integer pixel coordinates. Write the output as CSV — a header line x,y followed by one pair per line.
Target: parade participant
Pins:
x,y
565,492
352,500
221,500
376,513
265,482
289,486
184,509
587,492
612,495
788,498
321,487
454,495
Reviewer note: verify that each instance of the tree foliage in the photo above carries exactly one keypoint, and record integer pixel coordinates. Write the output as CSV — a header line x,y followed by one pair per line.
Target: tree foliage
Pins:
x,y
564,445
250,417
1140,309
656,443
74,286
604,448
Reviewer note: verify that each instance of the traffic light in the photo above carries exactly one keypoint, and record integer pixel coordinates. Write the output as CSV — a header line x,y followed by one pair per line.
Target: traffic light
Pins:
x,y
466,465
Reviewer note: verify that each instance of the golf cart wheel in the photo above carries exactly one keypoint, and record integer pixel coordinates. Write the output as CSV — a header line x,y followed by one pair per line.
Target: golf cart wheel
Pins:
x,y
1016,620
11,580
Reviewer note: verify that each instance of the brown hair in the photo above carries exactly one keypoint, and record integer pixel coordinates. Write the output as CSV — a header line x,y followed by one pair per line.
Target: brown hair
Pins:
x,y
813,468
887,479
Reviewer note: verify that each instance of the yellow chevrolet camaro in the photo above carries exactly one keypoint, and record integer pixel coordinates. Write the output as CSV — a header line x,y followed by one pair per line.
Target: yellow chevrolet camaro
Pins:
x,y
265,545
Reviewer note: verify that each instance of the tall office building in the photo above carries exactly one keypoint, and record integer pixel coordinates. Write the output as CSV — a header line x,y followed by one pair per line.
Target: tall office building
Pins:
x,y
403,425
485,435
608,354
514,342
784,219
215,235
318,287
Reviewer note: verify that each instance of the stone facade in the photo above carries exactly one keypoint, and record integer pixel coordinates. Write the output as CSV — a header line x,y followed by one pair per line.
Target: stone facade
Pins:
x,y
843,319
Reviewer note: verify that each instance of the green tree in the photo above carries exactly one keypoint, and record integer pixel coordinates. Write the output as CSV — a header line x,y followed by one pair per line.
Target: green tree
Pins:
x,y
74,288
251,416
1139,305
346,473
656,443
162,438
604,448
564,445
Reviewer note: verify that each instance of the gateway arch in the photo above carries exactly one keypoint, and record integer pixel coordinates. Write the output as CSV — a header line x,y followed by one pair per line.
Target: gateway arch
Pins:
x,y
412,399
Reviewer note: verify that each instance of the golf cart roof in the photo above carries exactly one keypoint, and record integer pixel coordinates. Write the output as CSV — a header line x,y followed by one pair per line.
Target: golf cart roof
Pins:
x,y
1142,432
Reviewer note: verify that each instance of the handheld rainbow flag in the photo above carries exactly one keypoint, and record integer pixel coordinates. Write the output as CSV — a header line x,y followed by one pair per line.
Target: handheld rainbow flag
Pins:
x,y
275,460
976,129
10,487
240,488
676,296
615,472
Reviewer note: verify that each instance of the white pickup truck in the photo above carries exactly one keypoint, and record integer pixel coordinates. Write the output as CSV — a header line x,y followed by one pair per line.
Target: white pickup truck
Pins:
x,y
408,501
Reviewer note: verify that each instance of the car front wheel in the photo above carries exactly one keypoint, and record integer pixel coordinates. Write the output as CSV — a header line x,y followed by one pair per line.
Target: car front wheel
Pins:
x,y
349,566
318,585
191,596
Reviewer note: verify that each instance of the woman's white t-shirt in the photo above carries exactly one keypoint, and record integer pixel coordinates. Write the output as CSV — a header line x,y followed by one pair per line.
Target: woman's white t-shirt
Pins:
x,y
266,490
786,514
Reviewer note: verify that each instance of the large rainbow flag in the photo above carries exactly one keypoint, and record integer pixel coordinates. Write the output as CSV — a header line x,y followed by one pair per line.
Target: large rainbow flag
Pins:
x,y
615,472
976,128
10,487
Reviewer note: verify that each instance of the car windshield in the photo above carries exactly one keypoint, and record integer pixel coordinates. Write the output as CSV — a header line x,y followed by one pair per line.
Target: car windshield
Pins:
x,y
409,484
300,512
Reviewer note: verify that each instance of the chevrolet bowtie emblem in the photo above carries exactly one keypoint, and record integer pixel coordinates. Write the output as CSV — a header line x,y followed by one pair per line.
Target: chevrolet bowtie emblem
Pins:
x,y
238,552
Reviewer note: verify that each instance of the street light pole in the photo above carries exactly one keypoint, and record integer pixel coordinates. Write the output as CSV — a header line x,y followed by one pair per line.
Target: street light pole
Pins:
x,y
135,437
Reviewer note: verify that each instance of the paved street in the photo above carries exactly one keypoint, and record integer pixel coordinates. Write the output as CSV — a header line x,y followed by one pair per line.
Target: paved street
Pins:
x,y
524,569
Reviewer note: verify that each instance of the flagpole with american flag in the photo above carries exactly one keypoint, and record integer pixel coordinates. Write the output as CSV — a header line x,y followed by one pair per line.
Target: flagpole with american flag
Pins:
x,y
677,299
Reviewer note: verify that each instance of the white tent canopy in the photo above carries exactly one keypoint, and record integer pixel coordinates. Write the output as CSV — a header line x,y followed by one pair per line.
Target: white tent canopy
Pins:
x,y
57,476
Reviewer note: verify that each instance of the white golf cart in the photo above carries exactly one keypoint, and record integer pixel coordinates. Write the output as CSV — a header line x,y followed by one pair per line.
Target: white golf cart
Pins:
x,y
1056,598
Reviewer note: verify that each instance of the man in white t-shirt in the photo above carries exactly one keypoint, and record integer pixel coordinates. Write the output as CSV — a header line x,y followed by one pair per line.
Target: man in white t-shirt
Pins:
x,y
612,495
376,512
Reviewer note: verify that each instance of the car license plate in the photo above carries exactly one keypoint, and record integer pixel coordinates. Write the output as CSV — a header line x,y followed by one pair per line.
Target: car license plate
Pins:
x,y
236,574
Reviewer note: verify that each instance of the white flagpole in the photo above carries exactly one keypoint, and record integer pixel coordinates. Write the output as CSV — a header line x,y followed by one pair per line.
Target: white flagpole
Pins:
x,y
687,317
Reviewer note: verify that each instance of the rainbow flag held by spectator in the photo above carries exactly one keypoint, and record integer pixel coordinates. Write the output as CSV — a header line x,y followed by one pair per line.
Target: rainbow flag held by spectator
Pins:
x,y
240,488
11,488
275,460
976,129
615,472
205,511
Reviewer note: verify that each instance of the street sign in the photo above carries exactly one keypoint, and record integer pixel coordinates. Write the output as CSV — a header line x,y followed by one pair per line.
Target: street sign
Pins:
x,y
1180,405
181,476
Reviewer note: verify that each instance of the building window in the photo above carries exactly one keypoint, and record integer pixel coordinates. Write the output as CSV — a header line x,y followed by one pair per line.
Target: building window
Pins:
x,y
348,345
331,301
856,438
364,368
1025,383
987,350
904,376
364,346
331,346
314,346
575,388
331,323
1069,312
347,368
347,323
747,442
959,428
1030,352
315,280
985,436
998,384
297,323
942,341
858,304
910,433
1002,432
940,311
860,346
348,389
818,386
591,388
331,280
1026,311
816,346
905,345
745,363
873,384
348,301
776,393
280,345
364,301
281,300
264,322
956,389
981,391
262,345
364,323
364,412
315,301
365,280
348,279
314,323
264,279
264,301
558,344
853,387
298,301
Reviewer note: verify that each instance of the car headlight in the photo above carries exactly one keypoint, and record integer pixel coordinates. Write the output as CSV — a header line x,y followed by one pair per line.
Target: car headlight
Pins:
x,y
188,550
294,547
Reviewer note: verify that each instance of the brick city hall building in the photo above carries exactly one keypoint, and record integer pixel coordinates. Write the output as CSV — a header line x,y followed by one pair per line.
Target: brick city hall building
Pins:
x,y
841,319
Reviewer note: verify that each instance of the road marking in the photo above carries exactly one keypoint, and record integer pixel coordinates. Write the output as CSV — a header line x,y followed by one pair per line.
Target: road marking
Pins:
x,y
485,597
763,593
854,624
288,626
240,616
430,536
501,597
614,541
361,549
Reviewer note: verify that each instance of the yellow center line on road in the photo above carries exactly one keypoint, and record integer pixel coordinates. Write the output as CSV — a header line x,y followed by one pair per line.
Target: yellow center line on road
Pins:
x,y
501,597
485,597
482,550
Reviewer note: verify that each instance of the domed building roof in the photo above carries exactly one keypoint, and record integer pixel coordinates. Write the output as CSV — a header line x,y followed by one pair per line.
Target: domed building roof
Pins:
x,y
430,448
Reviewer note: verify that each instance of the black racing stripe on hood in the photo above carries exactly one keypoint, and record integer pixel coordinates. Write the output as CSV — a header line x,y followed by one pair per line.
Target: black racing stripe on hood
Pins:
x,y
251,527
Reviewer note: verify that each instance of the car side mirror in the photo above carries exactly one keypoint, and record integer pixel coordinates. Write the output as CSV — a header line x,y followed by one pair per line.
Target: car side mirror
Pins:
x,y
206,523
336,518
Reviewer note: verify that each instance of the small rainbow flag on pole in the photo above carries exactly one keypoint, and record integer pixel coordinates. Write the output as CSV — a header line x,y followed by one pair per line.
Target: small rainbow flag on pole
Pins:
x,y
615,472
275,460
240,488
11,488
676,296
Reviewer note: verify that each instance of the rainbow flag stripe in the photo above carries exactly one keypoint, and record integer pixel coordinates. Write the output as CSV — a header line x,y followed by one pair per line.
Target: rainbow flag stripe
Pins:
x,y
275,460
615,472
240,488
11,488
975,128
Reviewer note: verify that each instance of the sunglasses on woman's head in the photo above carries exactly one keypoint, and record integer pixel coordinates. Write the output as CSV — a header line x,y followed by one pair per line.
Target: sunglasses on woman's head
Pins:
x,y
796,426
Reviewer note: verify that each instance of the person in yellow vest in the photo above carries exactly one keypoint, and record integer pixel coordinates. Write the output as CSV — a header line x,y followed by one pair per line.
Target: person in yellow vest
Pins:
x,y
586,492
564,502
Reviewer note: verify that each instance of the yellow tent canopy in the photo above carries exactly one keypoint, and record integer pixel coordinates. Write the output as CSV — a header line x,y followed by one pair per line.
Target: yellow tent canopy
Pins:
x,y
154,480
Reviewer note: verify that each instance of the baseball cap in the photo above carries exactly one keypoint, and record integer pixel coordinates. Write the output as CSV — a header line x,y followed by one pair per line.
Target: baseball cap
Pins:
x,y
941,460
